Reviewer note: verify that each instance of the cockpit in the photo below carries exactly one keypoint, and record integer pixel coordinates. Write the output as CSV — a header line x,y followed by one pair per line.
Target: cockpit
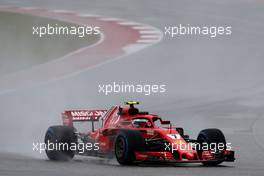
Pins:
x,y
141,123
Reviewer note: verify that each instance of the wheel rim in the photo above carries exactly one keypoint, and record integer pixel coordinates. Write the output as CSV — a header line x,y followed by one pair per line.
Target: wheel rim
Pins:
x,y
120,147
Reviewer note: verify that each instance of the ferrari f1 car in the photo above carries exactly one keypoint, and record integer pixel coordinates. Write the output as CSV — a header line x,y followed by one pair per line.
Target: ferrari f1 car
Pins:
x,y
133,136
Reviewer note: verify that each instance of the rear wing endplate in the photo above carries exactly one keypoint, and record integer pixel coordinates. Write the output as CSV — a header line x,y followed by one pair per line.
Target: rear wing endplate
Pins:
x,y
70,116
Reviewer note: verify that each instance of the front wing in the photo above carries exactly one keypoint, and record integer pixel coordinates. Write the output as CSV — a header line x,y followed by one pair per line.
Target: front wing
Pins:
x,y
207,156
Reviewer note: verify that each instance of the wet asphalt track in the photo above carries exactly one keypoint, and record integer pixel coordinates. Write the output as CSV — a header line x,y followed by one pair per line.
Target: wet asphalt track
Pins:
x,y
210,83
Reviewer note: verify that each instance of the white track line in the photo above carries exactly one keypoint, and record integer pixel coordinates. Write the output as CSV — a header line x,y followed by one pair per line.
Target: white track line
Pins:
x,y
112,19
134,48
148,41
150,32
61,11
129,23
149,36
87,15
143,27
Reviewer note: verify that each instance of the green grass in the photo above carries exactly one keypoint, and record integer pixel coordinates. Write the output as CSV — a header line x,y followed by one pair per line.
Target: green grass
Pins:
x,y
20,49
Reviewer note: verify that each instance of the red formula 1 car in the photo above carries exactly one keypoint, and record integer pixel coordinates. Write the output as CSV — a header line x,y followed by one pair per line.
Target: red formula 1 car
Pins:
x,y
133,136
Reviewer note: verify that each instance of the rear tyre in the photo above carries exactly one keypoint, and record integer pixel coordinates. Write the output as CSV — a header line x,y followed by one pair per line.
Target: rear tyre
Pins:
x,y
210,136
62,136
126,143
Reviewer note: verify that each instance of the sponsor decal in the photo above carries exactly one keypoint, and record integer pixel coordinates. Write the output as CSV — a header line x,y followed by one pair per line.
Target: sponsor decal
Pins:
x,y
150,132
174,136
89,115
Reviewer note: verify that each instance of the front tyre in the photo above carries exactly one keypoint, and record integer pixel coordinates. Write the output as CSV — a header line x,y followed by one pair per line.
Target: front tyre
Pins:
x,y
212,136
58,141
126,143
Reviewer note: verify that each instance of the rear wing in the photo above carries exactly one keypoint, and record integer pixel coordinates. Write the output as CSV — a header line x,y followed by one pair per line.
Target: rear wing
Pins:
x,y
70,116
